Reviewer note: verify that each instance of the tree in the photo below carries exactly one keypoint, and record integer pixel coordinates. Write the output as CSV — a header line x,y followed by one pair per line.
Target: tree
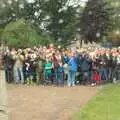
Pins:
x,y
59,20
114,37
95,21
52,17
20,35
11,10
114,34
115,5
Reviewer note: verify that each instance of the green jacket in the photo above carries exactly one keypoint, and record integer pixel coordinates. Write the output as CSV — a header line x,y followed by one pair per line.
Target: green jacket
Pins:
x,y
48,67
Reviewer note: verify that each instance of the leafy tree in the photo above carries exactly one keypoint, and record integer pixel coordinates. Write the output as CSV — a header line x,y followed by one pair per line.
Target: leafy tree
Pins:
x,y
20,34
61,24
11,10
52,17
114,34
114,37
115,5
95,20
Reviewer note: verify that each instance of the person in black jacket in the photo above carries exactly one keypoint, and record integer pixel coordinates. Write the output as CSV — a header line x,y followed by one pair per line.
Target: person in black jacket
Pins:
x,y
8,66
110,65
103,67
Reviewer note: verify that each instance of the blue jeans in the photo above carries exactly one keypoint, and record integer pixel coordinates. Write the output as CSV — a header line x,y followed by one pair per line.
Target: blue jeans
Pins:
x,y
8,75
71,78
118,72
103,73
18,75
115,73
90,75
110,73
60,78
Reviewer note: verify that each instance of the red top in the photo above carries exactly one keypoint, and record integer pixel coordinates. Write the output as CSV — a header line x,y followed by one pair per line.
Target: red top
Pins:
x,y
96,76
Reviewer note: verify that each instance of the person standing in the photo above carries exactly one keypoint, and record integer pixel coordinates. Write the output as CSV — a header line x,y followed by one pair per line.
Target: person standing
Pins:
x,y
85,68
18,67
72,70
40,70
8,66
103,67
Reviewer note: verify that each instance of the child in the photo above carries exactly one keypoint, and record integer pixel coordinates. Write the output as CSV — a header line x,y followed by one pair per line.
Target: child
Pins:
x,y
39,70
96,75
48,70
96,78
60,74
66,71
27,73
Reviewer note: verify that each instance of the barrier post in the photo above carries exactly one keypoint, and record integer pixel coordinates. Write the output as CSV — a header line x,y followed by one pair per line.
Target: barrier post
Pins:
x,y
3,97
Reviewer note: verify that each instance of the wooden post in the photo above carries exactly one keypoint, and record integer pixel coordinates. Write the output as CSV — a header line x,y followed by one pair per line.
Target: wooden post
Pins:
x,y
3,97
1,66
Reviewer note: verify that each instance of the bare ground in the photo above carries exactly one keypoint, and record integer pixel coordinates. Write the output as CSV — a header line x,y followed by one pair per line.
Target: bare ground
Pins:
x,y
47,103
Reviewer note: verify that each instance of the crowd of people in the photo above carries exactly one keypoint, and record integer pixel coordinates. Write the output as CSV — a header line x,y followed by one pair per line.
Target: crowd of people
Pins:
x,y
58,66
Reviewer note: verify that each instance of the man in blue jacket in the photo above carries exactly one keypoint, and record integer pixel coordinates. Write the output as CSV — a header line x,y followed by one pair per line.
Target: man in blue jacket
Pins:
x,y
73,66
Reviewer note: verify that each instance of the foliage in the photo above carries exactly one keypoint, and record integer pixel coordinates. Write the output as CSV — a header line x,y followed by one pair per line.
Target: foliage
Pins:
x,y
114,34
95,20
114,37
20,34
52,17
105,106
8,12
115,5
61,20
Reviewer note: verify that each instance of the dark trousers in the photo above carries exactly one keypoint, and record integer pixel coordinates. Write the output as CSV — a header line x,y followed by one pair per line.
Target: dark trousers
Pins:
x,y
8,75
60,78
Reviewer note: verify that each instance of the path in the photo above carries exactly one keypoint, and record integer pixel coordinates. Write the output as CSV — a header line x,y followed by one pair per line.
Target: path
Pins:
x,y
47,103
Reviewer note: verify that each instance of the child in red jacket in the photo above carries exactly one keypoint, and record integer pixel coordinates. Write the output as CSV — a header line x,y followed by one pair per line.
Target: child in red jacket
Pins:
x,y
96,77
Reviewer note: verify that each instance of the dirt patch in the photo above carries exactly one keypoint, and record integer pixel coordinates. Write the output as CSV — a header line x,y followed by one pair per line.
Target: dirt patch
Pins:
x,y
47,103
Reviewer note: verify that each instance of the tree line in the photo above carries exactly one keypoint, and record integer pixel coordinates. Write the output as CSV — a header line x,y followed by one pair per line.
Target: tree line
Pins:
x,y
24,23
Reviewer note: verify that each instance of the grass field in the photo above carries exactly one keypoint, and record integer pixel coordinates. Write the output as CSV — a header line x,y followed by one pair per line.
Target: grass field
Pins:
x,y
105,106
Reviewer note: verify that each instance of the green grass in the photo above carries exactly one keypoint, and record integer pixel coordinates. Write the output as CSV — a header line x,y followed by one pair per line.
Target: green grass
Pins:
x,y
105,106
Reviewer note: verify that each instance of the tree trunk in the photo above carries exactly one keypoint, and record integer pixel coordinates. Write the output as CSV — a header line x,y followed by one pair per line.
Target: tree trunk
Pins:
x,y
80,43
